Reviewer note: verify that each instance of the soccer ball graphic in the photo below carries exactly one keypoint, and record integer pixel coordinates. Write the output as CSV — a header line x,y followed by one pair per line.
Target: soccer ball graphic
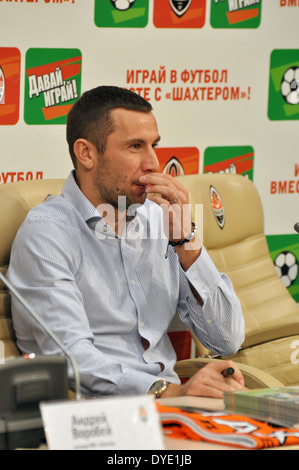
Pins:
x,y
122,4
290,85
286,266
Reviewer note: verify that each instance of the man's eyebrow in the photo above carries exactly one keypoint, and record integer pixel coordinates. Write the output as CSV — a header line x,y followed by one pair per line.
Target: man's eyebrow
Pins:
x,y
142,141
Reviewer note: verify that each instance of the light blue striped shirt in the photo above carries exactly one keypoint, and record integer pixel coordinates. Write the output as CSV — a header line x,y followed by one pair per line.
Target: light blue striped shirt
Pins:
x,y
101,294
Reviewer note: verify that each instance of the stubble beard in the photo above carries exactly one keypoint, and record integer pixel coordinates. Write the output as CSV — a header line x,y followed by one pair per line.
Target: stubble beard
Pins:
x,y
120,199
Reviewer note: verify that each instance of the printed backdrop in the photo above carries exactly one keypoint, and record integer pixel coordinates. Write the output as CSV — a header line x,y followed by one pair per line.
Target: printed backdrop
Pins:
x,y
222,75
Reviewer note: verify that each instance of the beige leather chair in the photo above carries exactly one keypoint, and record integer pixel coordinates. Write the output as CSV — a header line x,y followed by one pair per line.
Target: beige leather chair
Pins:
x,y
240,250
16,199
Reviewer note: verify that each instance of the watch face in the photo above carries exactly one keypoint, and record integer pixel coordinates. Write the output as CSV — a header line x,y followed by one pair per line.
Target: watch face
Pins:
x,y
158,387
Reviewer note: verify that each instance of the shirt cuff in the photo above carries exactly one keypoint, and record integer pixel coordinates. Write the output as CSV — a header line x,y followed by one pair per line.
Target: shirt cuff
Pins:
x,y
134,382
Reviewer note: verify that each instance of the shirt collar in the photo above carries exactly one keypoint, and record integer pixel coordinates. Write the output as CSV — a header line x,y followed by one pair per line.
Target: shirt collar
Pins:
x,y
72,192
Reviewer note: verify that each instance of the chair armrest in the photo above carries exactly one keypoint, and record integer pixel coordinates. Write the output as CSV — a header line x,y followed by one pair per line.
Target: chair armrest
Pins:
x,y
254,378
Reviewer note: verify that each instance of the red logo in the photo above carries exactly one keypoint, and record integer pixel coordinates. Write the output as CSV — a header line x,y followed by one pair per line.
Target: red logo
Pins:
x,y
178,161
179,13
10,61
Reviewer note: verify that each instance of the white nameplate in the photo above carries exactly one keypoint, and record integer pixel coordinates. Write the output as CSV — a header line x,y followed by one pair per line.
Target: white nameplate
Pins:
x,y
110,423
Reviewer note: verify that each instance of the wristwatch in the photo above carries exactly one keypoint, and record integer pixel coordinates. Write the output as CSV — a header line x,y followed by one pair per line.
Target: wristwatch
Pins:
x,y
157,388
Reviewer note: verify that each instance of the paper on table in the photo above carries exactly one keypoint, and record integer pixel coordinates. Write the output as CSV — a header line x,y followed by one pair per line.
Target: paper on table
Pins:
x,y
196,403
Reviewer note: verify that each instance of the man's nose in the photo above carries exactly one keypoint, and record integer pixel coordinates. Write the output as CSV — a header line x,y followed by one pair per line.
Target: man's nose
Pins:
x,y
151,162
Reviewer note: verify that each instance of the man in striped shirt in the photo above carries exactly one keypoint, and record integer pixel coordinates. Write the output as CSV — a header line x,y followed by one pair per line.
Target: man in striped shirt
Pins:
x,y
110,262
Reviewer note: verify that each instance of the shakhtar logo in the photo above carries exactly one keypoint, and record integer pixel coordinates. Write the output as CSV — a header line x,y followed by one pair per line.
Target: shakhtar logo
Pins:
x,y
180,6
173,168
2,86
122,4
217,206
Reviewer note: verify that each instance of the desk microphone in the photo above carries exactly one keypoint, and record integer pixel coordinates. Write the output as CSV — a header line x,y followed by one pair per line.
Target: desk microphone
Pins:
x,y
296,227
56,340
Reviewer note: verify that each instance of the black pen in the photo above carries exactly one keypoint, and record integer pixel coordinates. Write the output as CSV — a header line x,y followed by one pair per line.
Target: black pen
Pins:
x,y
228,372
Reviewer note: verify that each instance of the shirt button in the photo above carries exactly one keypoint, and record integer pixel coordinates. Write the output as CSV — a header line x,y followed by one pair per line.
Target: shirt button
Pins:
x,y
141,324
105,228
133,282
210,321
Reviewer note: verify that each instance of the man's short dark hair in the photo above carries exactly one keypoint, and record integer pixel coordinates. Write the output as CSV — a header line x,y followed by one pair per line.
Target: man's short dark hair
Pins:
x,y
90,117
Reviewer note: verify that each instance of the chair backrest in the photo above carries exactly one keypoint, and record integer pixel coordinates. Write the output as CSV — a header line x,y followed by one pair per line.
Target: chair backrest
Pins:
x,y
16,199
233,233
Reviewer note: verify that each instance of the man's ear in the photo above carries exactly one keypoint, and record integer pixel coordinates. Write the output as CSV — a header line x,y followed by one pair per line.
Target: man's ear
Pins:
x,y
85,153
